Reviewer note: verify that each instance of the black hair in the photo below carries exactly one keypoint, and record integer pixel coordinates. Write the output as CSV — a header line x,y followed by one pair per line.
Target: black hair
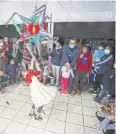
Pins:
x,y
102,45
1,38
72,38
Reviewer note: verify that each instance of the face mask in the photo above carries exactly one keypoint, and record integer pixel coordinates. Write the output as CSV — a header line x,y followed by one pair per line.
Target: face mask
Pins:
x,y
107,51
1,44
71,46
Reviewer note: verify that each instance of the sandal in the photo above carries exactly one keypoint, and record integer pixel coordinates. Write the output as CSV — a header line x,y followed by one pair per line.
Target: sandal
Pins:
x,y
31,115
39,118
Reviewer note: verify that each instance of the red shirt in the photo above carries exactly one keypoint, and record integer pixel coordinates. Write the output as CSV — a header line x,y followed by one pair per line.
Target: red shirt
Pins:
x,y
7,46
30,74
85,63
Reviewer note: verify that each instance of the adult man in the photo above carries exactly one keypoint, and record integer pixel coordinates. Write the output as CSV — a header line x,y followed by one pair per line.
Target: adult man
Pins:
x,y
69,55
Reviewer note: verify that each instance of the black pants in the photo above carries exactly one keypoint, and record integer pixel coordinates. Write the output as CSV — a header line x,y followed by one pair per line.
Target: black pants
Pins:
x,y
97,82
79,80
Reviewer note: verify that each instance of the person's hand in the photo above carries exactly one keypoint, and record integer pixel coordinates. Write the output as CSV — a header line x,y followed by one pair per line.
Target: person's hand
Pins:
x,y
82,55
67,66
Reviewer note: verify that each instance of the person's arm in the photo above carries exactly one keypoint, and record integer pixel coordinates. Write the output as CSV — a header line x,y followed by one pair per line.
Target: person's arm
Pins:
x,y
75,57
65,56
105,66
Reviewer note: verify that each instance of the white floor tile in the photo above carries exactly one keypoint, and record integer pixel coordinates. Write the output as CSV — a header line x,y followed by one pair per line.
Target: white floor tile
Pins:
x,y
29,101
22,98
18,90
2,109
39,124
15,128
47,112
32,130
92,131
90,121
50,104
75,96
11,96
55,126
74,101
74,129
74,109
87,97
3,123
26,108
26,92
9,113
16,105
22,118
62,99
87,103
46,132
4,100
59,115
60,106
89,111
74,118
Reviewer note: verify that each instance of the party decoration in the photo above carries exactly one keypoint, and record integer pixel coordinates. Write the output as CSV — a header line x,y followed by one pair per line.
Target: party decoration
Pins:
x,y
34,29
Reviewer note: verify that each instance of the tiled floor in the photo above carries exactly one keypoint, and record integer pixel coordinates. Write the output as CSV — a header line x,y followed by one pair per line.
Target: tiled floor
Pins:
x,y
64,114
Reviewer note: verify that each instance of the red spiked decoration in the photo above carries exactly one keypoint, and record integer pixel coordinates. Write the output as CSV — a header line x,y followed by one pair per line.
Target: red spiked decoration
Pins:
x,y
33,29
45,25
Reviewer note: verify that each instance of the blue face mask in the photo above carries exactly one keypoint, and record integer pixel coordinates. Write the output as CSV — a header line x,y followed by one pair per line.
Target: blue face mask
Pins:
x,y
71,46
1,44
107,51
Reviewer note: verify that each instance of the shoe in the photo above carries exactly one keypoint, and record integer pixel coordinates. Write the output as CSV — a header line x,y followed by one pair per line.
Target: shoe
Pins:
x,y
31,115
78,92
73,93
39,118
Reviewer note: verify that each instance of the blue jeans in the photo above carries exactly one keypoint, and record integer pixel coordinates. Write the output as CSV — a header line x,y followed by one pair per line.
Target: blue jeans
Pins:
x,y
102,94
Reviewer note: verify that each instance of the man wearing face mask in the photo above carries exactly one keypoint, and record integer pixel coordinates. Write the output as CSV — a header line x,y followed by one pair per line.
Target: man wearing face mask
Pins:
x,y
70,54
104,67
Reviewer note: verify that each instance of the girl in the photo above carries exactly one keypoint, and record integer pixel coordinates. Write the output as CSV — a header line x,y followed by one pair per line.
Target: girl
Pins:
x,y
65,78
40,94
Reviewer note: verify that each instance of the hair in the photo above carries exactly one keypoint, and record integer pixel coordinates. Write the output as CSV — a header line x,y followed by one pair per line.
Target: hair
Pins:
x,y
1,38
72,38
102,45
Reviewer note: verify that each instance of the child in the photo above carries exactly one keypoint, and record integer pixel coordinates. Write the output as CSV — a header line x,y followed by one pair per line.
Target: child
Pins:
x,y
40,94
65,79
11,68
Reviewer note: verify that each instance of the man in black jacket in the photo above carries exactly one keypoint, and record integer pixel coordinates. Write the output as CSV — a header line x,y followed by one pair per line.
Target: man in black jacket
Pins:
x,y
105,67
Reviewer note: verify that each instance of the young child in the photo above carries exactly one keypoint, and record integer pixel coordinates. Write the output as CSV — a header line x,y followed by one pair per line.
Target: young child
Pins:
x,y
65,79
11,68
40,94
